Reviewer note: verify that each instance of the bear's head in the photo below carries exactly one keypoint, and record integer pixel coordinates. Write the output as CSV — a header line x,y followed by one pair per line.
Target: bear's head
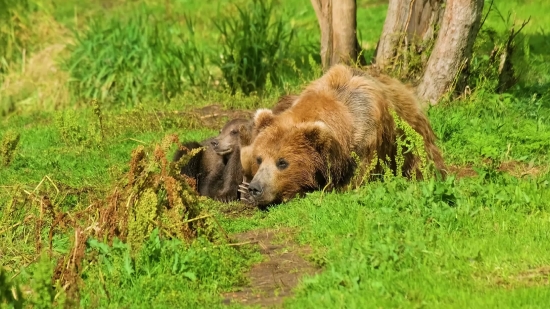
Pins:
x,y
288,159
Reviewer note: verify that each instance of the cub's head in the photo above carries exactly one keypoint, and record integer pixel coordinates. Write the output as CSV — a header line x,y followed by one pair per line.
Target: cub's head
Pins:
x,y
288,160
230,136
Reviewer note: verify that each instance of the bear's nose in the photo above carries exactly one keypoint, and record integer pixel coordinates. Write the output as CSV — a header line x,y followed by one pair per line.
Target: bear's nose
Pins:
x,y
255,189
214,143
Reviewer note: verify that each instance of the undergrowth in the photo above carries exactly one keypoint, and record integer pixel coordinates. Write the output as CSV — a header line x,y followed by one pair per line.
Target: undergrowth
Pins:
x,y
192,273
154,196
503,127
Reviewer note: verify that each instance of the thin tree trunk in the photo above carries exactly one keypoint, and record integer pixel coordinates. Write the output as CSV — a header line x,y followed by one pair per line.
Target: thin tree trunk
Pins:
x,y
452,50
337,21
407,22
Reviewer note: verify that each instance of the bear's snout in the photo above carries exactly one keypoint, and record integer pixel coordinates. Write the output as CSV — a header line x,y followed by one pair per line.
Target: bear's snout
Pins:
x,y
255,189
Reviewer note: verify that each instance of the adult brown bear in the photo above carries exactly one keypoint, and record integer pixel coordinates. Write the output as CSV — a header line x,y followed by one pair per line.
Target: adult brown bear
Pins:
x,y
309,145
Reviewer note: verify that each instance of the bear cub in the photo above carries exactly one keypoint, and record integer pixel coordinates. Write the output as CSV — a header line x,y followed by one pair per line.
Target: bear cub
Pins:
x,y
217,167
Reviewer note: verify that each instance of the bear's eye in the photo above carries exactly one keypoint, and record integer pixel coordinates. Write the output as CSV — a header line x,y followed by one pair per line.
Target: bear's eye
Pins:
x,y
282,164
234,132
259,160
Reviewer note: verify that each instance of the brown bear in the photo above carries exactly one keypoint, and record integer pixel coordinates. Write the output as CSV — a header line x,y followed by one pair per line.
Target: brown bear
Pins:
x,y
309,145
217,167
248,134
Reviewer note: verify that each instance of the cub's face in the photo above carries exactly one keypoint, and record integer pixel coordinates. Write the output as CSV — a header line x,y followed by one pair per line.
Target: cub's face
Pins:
x,y
229,138
286,162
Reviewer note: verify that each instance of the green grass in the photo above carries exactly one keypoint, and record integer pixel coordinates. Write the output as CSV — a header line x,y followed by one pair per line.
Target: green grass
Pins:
x,y
472,242
397,245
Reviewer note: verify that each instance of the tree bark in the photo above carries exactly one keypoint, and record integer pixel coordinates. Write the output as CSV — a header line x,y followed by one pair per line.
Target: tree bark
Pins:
x,y
407,22
337,21
452,50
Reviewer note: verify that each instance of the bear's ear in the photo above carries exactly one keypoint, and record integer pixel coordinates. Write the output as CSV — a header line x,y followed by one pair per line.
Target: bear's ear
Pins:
x,y
245,134
263,118
318,135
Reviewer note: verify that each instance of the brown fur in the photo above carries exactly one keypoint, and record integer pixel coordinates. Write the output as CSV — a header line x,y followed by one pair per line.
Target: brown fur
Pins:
x,y
309,145
217,167
249,132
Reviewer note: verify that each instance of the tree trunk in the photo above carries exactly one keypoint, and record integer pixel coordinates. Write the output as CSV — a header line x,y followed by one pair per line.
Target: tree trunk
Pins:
x,y
452,50
408,22
337,20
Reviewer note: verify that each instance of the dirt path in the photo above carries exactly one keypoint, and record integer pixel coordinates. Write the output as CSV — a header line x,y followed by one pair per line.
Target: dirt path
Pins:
x,y
272,280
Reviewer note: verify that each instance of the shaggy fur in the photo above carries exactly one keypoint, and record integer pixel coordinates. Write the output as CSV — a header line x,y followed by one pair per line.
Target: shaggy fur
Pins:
x,y
309,145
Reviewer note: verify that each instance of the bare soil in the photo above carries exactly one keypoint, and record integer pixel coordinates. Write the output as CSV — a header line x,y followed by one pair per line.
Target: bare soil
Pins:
x,y
514,168
539,276
214,116
273,280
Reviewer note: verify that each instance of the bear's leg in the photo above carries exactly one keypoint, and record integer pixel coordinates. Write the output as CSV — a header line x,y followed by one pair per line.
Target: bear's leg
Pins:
x,y
232,173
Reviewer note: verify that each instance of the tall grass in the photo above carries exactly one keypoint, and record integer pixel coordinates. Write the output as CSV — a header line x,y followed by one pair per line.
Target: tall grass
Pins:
x,y
141,56
255,43
12,24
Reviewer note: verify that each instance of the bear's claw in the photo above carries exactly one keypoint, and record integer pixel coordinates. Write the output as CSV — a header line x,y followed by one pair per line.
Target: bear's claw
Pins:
x,y
245,195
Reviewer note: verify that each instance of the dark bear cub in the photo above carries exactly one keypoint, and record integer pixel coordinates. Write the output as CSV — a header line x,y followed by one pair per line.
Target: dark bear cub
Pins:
x,y
217,167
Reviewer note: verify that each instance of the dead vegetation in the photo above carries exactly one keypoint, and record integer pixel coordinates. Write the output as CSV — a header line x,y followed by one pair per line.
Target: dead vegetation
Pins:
x,y
153,196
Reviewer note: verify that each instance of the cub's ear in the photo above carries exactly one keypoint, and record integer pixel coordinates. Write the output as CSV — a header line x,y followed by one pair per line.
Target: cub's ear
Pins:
x,y
263,118
318,135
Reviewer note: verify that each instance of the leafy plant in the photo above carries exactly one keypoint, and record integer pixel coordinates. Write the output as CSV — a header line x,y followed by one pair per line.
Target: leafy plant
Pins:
x,y
500,56
255,43
10,140
196,269
42,284
10,293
